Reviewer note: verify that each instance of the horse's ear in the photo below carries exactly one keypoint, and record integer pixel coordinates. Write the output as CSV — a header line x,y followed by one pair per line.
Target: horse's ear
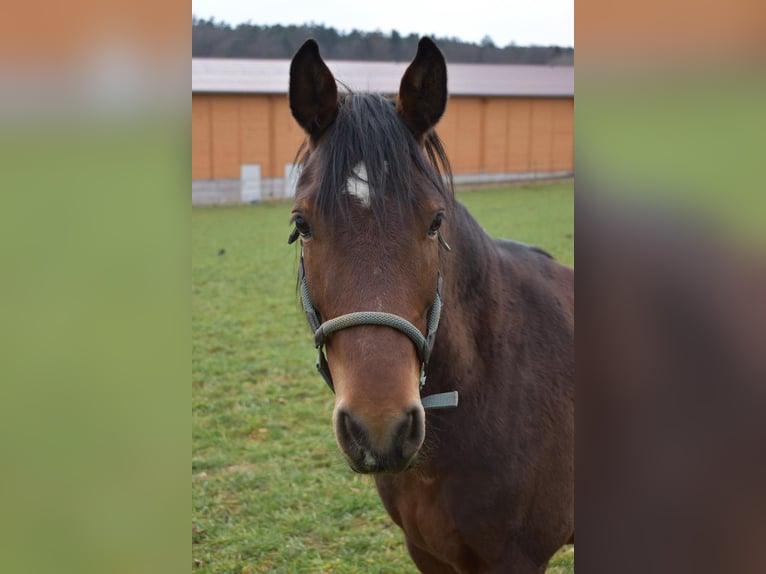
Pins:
x,y
313,93
423,91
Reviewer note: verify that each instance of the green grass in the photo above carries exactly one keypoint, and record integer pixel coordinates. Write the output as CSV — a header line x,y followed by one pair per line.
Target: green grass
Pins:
x,y
270,490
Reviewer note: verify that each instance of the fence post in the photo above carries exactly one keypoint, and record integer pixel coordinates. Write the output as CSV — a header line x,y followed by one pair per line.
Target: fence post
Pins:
x,y
250,177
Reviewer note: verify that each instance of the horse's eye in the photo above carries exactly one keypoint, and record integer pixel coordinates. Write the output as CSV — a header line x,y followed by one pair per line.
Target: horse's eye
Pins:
x,y
436,224
302,228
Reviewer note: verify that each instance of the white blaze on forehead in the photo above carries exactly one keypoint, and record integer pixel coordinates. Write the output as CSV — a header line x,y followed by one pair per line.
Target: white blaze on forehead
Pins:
x,y
357,185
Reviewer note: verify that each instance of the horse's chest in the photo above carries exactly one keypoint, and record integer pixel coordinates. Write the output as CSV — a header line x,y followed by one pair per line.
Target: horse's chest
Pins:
x,y
421,510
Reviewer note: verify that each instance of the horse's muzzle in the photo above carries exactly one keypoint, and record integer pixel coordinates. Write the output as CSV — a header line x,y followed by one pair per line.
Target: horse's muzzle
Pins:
x,y
381,448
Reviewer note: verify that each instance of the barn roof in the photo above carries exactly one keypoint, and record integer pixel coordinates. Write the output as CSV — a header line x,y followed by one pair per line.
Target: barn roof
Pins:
x,y
271,77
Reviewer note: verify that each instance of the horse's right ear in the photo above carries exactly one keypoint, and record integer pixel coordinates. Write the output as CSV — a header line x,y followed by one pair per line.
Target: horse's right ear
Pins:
x,y
423,91
313,93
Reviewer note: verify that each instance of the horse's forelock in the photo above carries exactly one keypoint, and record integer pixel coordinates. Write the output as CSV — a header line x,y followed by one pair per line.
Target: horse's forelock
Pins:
x,y
369,131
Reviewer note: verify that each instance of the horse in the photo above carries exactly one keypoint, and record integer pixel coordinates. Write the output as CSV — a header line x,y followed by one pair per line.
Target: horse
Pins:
x,y
407,294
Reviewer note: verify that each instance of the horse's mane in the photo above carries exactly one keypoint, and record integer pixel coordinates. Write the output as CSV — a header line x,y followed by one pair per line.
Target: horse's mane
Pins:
x,y
368,129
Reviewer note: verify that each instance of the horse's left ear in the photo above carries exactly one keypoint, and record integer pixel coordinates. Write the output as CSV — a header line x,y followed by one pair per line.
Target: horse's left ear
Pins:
x,y
313,92
423,91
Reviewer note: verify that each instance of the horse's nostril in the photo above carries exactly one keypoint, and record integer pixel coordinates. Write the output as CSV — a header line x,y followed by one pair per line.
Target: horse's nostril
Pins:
x,y
411,432
352,428
351,433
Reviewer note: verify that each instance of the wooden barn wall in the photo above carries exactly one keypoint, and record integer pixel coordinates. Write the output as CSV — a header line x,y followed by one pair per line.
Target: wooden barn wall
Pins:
x,y
481,134
229,130
201,140
509,135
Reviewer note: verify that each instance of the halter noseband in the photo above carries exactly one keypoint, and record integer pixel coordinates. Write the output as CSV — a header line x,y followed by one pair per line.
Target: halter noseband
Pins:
x,y
423,344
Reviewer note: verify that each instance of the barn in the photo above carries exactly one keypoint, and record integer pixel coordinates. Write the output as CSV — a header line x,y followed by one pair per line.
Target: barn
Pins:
x,y
503,123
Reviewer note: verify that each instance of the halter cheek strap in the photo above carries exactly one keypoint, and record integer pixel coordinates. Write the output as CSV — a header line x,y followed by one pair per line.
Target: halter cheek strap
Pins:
x,y
423,344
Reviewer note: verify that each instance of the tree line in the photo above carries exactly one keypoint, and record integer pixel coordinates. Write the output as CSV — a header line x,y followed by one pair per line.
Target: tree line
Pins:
x,y
211,39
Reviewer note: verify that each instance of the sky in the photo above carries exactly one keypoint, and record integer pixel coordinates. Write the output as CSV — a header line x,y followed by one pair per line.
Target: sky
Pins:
x,y
523,22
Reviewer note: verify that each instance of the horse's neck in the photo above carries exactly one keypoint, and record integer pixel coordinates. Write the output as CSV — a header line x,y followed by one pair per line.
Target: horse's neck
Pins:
x,y
471,263
472,293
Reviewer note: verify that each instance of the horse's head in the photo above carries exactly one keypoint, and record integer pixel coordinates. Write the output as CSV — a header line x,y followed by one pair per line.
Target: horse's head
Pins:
x,y
368,208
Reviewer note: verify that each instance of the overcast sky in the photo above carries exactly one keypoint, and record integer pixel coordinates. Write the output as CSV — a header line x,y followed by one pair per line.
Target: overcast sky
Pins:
x,y
524,22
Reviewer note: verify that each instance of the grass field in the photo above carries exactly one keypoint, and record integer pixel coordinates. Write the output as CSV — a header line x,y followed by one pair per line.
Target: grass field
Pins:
x,y
270,490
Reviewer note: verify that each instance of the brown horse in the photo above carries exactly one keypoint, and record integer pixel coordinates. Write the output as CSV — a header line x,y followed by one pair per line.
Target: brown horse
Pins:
x,y
485,485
